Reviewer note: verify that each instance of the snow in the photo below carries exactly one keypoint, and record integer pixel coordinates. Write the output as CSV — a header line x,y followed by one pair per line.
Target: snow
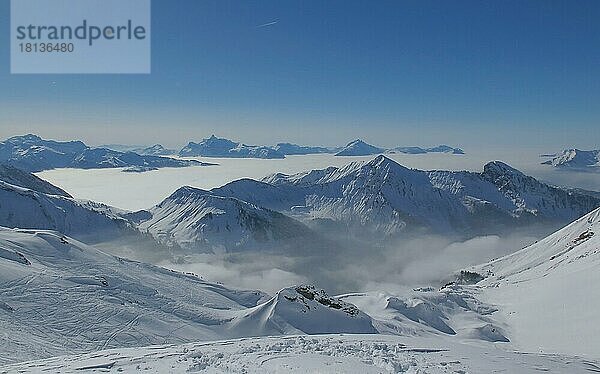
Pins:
x,y
32,153
24,179
575,159
158,184
220,147
29,209
294,149
547,293
419,150
198,220
384,197
62,296
303,309
359,148
314,354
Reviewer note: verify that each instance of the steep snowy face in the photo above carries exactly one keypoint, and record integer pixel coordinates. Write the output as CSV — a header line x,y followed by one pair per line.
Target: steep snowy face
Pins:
x,y
302,309
32,153
195,219
27,180
359,148
575,158
61,296
524,194
576,244
548,292
219,147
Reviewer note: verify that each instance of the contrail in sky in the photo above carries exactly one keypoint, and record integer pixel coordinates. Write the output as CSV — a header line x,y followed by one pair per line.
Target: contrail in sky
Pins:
x,y
268,24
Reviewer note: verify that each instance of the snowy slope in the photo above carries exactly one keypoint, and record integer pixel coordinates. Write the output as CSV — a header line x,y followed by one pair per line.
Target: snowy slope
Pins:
x,y
59,295
383,196
24,179
32,153
220,147
359,148
361,354
426,312
29,209
548,291
302,309
198,220
575,159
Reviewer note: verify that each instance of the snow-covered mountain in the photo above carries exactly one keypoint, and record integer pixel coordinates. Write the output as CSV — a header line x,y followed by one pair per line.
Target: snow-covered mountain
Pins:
x,y
419,150
36,204
155,150
32,153
294,149
24,179
220,147
359,148
29,209
198,220
547,293
575,159
387,198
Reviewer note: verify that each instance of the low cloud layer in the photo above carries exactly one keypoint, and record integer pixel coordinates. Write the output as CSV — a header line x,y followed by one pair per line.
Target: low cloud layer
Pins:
x,y
425,260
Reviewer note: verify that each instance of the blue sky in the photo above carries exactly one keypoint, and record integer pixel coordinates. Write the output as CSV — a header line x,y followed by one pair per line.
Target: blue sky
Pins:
x,y
467,73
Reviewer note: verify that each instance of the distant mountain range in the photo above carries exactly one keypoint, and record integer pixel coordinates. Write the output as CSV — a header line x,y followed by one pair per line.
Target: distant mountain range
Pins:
x,y
294,149
575,159
221,147
32,153
281,212
360,148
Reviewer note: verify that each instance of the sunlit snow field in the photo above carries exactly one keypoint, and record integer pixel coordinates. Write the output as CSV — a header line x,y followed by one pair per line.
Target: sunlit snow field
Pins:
x,y
134,191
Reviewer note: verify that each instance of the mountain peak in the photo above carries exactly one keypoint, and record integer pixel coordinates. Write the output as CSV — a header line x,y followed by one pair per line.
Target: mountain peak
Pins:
x,y
186,193
575,158
26,137
359,148
382,161
500,168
